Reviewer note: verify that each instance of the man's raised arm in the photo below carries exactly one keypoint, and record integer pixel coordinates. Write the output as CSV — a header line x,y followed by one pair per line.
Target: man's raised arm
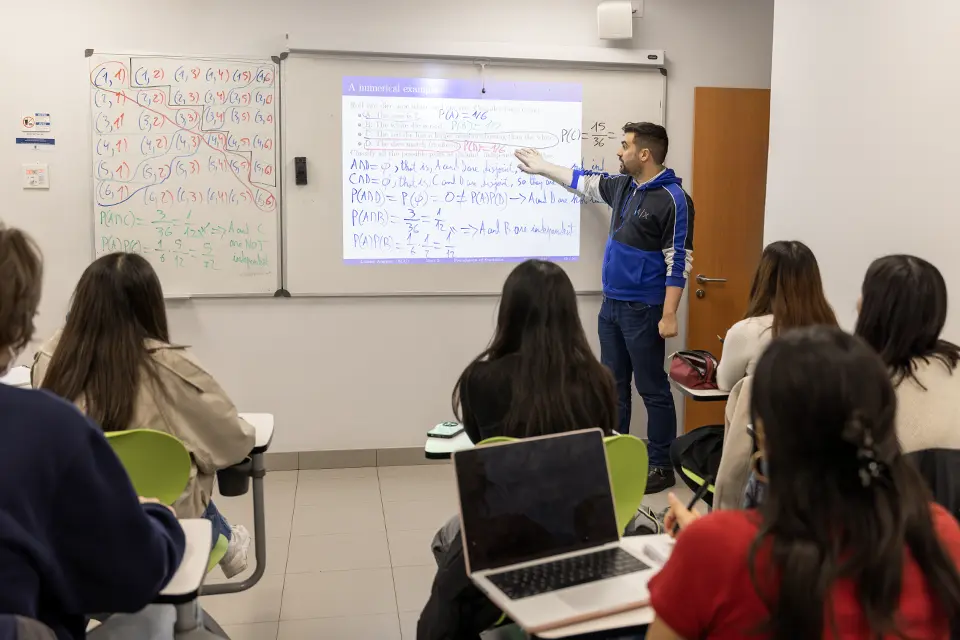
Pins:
x,y
587,185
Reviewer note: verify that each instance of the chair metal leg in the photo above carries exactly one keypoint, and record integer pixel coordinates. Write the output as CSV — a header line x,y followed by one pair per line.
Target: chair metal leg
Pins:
x,y
188,619
213,627
259,537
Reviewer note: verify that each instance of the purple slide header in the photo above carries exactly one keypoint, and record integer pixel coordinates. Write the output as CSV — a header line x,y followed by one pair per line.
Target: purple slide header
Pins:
x,y
470,89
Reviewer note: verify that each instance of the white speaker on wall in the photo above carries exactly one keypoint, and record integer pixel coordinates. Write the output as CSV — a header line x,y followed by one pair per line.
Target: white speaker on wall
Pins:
x,y
615,19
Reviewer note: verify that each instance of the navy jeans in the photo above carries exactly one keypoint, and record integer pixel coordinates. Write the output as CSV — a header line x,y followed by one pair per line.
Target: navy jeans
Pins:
x,y
220,524
631,346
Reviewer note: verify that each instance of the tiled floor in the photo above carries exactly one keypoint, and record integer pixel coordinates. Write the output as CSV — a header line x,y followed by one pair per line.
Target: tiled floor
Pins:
x,y
348,553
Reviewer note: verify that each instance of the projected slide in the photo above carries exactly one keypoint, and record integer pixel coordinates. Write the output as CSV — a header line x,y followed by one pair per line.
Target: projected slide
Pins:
x,y
429,173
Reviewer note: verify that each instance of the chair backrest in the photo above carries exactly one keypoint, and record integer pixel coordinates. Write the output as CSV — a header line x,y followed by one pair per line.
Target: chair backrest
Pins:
x,y
628,466
496,439
158,464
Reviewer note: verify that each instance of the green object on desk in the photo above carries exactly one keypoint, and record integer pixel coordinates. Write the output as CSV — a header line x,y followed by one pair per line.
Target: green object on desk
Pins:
x,y
158,464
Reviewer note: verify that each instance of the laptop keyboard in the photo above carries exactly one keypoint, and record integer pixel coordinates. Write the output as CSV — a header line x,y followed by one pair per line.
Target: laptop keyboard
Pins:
x,y
569,572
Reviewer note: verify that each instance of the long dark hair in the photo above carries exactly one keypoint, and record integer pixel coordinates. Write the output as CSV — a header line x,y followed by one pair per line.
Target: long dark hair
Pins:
x,y
902,312
117,305
787,285
842,501
560,386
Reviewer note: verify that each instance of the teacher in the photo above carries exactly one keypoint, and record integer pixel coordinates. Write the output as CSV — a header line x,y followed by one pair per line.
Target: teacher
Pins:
x,y
646,262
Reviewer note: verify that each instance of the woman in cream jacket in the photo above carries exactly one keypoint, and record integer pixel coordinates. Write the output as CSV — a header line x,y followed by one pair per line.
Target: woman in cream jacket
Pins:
x,y
786,293
115,361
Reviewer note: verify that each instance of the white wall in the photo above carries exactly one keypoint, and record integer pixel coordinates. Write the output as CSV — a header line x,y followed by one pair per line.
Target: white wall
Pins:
x,y
338,374
864,130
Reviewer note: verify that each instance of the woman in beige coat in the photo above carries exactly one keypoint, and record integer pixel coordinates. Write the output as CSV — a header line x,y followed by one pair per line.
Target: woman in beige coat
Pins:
x,y
115,361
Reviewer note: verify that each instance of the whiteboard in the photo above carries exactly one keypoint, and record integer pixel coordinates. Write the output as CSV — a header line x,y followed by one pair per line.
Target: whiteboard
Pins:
x,y
350,231
185,169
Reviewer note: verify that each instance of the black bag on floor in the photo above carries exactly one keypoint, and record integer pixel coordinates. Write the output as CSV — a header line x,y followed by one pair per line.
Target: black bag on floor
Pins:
x,y
699,451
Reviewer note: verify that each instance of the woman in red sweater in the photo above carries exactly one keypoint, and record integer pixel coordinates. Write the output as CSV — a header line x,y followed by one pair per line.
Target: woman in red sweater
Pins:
x,y
847,544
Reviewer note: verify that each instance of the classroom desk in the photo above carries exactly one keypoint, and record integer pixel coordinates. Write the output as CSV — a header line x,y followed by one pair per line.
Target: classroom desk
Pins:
x,y
444,448
619,624
263,425
17,377
701,395
185,584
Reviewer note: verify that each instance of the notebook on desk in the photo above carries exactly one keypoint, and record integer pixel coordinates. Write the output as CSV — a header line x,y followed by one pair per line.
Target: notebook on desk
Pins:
x,y
540,533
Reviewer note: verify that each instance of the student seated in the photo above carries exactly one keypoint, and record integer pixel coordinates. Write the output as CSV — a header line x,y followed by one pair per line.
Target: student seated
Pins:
x,y
786,293
74,538
903,308
537,377
846,544
115,361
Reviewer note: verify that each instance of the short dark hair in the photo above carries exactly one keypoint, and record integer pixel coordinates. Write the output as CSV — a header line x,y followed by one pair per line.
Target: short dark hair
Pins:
x,y
903,312
647,135
21,272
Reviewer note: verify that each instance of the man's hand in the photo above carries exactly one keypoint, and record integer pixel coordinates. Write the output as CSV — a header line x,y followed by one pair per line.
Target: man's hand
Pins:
x,y
668,325
531,161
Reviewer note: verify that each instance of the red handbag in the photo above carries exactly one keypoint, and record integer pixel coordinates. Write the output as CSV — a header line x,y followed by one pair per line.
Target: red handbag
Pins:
x,y
694,369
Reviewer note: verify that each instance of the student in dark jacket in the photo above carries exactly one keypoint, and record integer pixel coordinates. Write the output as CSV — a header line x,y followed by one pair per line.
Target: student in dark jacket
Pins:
x,y
74,538
537,377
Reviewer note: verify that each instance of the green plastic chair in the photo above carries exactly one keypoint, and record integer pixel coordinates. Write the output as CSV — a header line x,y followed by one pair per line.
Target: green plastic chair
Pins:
x,y
159,467
496,439
158,464
629,464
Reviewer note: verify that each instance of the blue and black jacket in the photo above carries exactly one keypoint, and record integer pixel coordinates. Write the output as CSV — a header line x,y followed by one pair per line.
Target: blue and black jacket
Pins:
x,y
650,246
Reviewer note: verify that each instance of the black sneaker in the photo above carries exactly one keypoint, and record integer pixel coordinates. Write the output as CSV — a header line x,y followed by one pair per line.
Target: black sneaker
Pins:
x,y
660,479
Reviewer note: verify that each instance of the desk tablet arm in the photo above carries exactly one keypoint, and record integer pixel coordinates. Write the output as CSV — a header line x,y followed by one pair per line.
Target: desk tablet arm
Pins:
x,y
235,481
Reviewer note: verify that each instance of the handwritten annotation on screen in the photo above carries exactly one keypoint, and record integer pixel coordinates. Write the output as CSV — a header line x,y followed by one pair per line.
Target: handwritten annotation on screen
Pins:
x,y
185,163
429,174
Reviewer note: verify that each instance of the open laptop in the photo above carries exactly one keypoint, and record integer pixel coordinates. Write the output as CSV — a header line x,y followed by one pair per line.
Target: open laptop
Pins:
x,y
540,532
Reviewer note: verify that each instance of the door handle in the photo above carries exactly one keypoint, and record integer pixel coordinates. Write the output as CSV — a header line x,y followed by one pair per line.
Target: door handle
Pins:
x,y
702,279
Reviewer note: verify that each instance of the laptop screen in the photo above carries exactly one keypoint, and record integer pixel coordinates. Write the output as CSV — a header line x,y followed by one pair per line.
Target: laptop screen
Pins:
x,y
535,498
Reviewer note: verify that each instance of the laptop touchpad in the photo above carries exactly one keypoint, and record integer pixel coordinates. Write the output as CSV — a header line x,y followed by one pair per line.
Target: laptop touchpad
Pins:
x,y
598,595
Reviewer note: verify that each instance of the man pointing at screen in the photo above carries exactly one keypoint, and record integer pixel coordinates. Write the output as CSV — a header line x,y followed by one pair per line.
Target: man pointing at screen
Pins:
x,y
646,262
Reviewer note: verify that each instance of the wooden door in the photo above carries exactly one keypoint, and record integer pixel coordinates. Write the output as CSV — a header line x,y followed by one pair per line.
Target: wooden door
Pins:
x,y
730,140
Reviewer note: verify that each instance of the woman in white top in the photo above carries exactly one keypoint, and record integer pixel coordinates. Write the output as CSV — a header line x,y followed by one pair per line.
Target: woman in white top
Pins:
x,y
786,293
903,308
